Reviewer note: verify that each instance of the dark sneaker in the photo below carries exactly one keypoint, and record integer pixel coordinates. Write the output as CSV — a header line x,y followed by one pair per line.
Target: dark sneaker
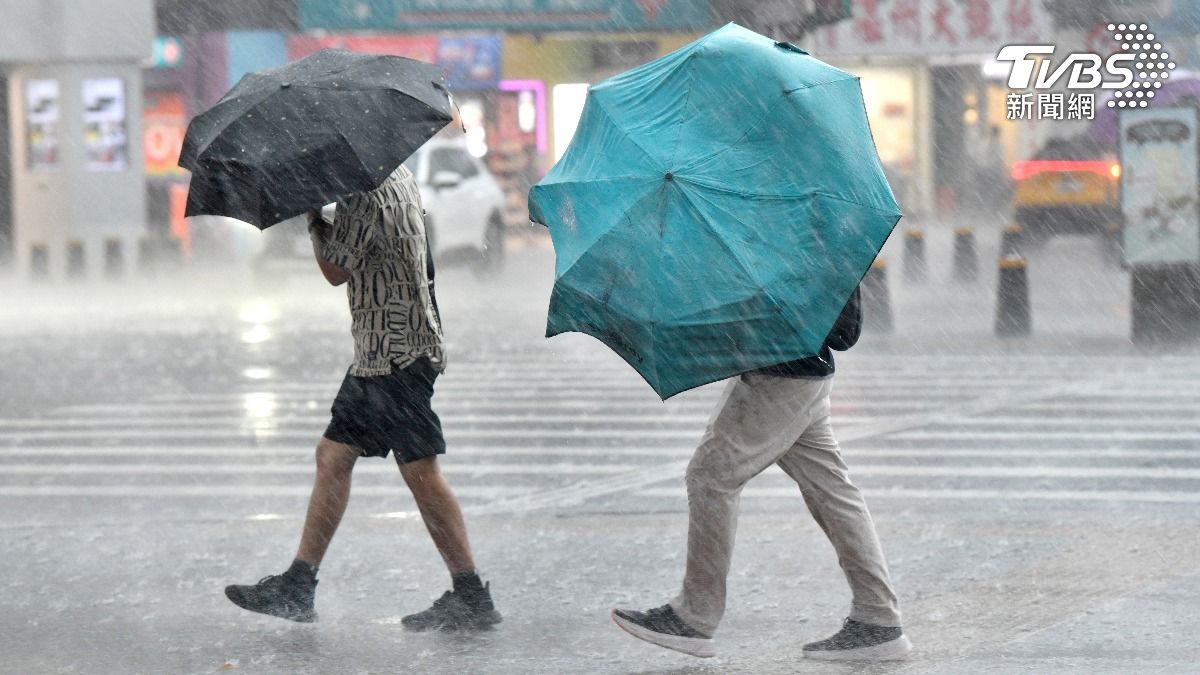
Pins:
x,y
277,595
663,627
461,610
861,642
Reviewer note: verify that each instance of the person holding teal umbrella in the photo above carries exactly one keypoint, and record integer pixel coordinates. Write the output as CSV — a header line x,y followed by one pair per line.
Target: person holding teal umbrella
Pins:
x,y
711,220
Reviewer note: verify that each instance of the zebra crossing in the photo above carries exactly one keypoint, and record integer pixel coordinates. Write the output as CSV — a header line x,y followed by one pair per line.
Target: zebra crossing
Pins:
x,y
583,431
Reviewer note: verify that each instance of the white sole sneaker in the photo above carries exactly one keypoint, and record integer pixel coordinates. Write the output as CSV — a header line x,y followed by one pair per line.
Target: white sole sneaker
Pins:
x,y
892,650
701,647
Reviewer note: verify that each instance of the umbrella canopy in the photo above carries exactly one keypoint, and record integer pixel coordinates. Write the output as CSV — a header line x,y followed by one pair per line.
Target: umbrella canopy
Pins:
x,y
715,209
302,135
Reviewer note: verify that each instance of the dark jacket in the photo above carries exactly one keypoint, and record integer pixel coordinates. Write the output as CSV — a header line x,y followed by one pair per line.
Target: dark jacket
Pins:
x,y
841,337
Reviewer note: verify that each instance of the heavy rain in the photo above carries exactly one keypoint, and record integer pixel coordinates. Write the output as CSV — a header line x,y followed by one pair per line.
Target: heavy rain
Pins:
x,y
609,336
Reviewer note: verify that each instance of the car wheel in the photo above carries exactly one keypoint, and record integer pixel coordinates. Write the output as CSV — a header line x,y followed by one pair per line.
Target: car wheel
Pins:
x,y
491,258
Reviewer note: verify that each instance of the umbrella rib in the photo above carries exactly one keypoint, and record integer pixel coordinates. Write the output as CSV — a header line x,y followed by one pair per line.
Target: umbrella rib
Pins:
x,y
766,113
613,121
741,263
717,187
209,113
592,181
745,268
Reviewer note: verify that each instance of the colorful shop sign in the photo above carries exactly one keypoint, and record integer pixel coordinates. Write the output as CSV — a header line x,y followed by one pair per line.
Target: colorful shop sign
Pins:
x,y
505,14
164,122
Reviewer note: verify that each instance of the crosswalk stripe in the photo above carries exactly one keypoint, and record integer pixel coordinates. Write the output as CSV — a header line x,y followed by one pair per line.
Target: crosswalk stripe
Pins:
x,y
550,409
305,452
581,419
448,419
501,493
565,436
568,468
1159,496
306,469
245,491
1110,435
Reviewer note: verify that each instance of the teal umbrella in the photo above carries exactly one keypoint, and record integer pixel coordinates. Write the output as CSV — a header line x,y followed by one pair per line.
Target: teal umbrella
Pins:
x,y
715,209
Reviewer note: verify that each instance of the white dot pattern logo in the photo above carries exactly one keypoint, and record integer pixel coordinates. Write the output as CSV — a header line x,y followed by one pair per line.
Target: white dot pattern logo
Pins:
x,y
1150,63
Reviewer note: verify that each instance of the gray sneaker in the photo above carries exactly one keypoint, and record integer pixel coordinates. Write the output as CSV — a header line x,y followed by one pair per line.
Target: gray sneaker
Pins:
x,y
661,626
861,642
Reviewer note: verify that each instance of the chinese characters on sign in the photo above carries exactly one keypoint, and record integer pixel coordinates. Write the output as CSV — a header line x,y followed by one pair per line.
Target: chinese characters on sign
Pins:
x,y
1053,106
931,27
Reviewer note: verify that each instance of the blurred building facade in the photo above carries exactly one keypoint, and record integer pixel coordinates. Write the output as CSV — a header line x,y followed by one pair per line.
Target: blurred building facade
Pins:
x,y
71,181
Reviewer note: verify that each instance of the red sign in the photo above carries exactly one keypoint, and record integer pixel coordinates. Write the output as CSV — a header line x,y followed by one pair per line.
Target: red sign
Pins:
x,y
164,123
933,27
419,47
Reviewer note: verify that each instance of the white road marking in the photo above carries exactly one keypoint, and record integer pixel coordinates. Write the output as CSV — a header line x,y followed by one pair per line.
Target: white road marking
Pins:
x,y
969,494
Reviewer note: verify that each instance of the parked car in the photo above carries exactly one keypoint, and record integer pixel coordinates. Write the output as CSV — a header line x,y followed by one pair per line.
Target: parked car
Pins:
x,y
464,204
1070,186
463,212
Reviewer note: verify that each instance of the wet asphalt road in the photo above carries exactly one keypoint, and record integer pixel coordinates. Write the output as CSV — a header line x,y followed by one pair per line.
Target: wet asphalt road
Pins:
x,y
1037,498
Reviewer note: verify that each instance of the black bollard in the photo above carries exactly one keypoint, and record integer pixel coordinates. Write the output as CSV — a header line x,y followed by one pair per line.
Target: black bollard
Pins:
x,y
76,264
966,260
877,300
114,258
914,256
1010,241
1012,299
39,262
1164,304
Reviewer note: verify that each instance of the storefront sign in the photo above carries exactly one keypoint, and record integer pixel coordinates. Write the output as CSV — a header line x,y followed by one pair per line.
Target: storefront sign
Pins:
x,y
420,47
932,27
505,14
1158,185
164,123
470,62
41,124
105,141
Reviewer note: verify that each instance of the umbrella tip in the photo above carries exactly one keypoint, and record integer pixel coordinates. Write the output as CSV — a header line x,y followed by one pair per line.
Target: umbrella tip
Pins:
x,y
669,176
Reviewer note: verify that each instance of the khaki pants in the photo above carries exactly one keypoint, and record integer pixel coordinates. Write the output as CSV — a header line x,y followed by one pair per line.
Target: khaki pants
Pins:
x,y
763,420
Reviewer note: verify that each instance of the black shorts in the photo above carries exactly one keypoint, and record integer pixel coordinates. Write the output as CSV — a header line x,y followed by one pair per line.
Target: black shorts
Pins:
x,y
389,412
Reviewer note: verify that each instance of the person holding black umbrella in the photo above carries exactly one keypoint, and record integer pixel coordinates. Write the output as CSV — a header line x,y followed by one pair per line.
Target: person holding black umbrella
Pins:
x,y
378,247
336,126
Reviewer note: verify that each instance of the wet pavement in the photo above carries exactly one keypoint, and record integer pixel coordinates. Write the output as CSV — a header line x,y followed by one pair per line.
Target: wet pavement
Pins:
x,y
1037,498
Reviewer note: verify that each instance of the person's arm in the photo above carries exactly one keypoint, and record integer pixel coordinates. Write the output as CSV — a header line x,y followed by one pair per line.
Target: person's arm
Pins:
x,y
319,229
848,326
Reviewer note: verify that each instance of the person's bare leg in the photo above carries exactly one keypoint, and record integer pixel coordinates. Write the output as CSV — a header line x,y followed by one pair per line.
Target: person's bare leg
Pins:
x,y
441,513
330,495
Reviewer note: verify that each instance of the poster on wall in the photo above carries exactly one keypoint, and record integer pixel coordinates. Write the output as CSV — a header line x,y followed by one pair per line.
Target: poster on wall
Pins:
x,y
1158,185
105,141
164,123
41,124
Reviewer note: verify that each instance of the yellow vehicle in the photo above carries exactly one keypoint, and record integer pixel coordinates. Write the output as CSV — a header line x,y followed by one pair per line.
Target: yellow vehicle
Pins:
x,y
1071,186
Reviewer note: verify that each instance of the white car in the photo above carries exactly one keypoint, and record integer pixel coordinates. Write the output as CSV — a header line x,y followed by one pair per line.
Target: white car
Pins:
x,y
464,204
464,208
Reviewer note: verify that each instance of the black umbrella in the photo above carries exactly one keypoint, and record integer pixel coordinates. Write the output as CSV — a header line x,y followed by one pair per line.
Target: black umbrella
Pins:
x,y
293,138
